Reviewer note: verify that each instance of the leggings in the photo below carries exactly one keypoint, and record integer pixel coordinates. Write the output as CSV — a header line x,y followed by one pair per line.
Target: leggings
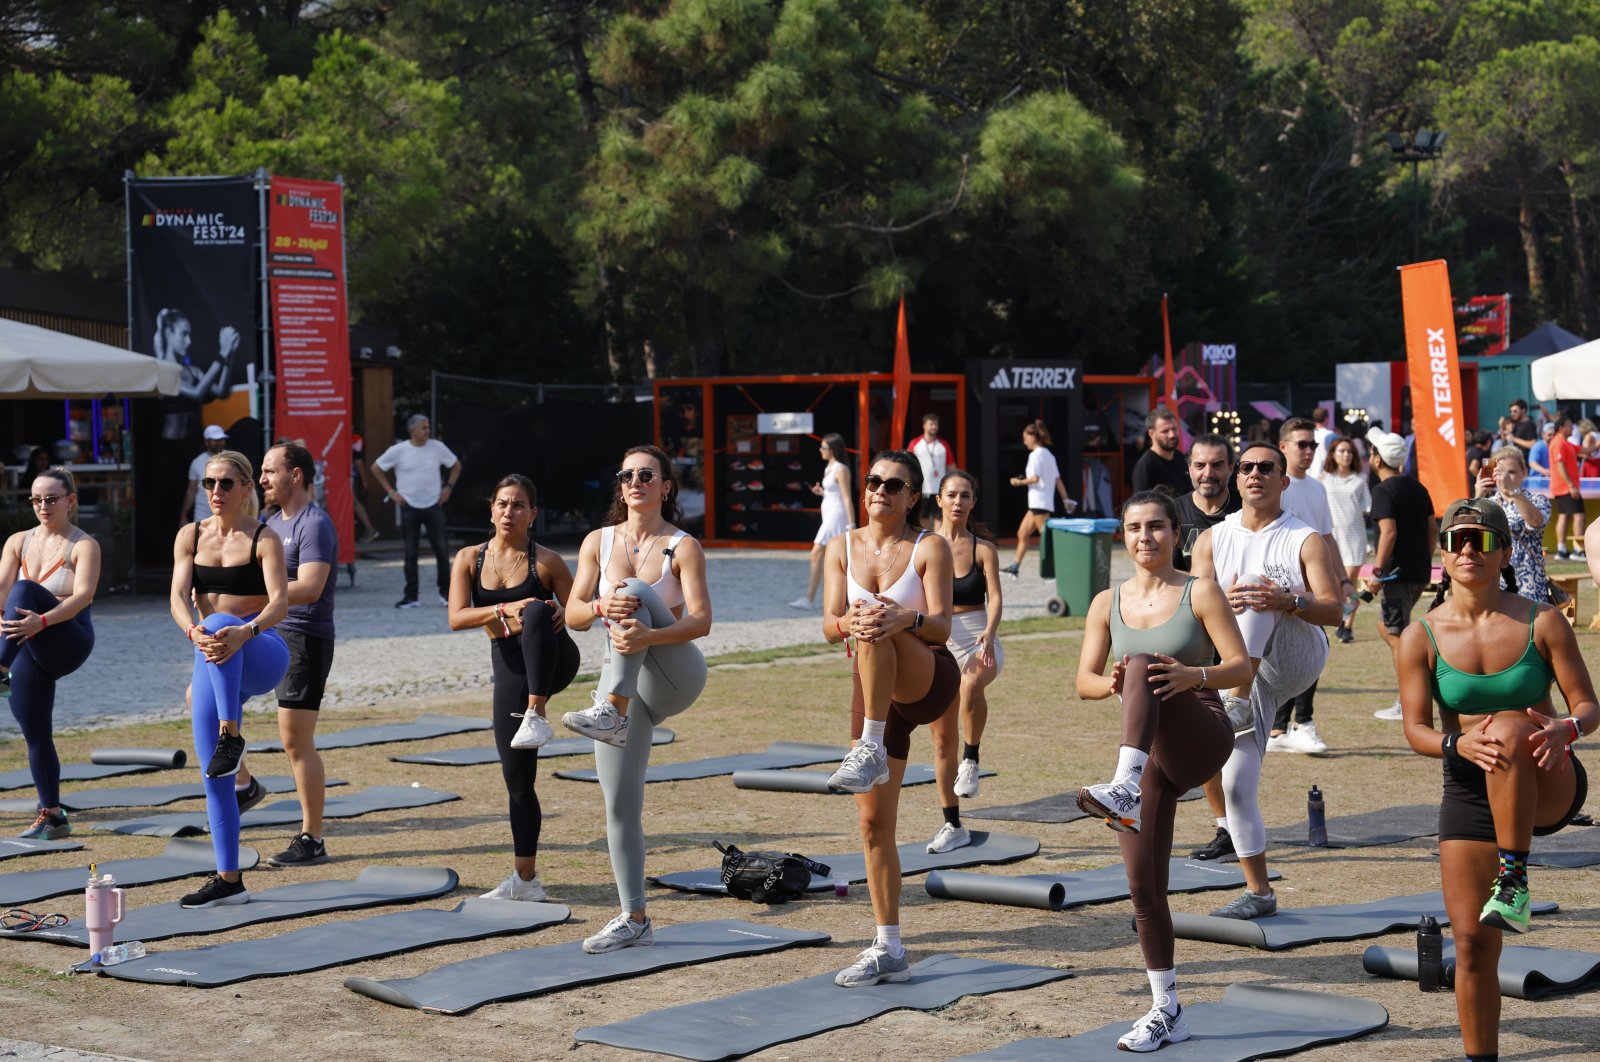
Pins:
x,y
1188,738
219,692
1301,704
541,661
36,666
904,718
659,683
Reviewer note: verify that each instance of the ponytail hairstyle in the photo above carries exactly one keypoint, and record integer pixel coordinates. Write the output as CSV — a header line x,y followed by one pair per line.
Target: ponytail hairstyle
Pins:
x,y
837,448
59,473
1039,432
1508,581
913,469
247,472
669,487
974,525
522,483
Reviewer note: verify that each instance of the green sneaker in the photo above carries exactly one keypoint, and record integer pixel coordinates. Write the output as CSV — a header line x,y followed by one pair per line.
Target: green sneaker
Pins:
x,y
1507,907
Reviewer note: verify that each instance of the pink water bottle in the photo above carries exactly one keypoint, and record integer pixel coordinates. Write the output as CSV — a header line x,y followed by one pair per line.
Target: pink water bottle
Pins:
x,y
104,905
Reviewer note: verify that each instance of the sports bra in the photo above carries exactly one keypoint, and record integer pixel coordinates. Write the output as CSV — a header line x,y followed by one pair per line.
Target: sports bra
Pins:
x,y
1182,636
971,588
531,585
667,586
1522,685
58,577
240,580
906,591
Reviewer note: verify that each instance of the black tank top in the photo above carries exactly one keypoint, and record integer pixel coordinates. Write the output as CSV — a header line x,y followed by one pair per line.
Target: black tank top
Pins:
x,y
241,580
971,588
505,595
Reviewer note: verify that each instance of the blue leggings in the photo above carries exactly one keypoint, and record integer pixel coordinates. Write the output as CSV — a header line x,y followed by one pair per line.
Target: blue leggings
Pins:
x,y
219,692
36,665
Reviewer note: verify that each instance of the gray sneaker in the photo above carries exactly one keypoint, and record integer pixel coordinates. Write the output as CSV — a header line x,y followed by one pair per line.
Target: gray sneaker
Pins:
x,y
949,838
865,766
1249,905
621,932
873,966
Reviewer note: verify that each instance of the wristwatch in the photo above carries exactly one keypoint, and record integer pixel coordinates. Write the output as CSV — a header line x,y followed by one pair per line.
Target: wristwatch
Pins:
x,y
255,629
1300,604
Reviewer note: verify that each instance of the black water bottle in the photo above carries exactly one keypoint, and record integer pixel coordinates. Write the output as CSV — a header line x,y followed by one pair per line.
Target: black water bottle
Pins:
x,y
1430,955
1316,819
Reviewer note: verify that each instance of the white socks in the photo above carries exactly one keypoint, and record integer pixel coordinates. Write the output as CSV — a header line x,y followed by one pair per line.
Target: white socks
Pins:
x,y
889,937
1164,989
872,730
1130,765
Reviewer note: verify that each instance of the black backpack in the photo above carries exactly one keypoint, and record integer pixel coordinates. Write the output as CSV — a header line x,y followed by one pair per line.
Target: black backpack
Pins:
x,y
766,877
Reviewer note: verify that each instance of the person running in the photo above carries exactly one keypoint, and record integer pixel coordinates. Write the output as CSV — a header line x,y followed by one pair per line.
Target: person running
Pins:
x,y
233,573
975,604
1527,513
644,580
1042,477
887,586
512,588
1510,773
1348,502
838,515
1164,630
48,576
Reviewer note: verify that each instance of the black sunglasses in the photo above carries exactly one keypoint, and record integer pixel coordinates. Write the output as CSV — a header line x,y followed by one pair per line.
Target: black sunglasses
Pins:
x,y
646,475
1481,539
875,483
210,484
1306,444
1266,468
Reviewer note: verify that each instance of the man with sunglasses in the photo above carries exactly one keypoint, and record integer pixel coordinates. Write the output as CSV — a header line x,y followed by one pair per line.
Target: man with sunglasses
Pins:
x,y
1402,564
416,464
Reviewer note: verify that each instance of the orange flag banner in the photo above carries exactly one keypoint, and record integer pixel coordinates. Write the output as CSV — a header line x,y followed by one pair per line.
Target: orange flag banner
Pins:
x,y
1170,398
902,379
1437,416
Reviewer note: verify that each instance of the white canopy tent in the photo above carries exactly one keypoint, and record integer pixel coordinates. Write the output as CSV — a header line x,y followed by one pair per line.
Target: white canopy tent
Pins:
x,y
1572,375
40,363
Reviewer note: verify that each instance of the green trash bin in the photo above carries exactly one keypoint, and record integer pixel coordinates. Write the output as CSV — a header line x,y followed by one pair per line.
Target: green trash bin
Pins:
x,y
1077,554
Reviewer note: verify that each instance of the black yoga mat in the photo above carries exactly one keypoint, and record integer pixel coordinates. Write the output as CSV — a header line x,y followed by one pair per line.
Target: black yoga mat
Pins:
x,y
1292,927
1525,973
817,781
1371,828
22,777
150,796
574,746
424,727
1250,1021
286,812
337,943
11,847
1060,807
779,754
161,759
993,848
180,859
741,1024
1058,892
1570,848
470,983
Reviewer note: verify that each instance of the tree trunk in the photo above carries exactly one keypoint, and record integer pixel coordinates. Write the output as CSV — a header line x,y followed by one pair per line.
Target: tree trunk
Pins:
x,y
1580,244
702,314
1527,227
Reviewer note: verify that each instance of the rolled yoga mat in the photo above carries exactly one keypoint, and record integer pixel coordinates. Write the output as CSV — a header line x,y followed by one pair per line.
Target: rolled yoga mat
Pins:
x,y
11,847
422,728
161,759
817,781
150,796
462,986
1250,1021
1058,808
286,812
1525,973
576,746
741,1024
779,754
1058,892
1389,826
1292,927
1571,848
22,777
180,859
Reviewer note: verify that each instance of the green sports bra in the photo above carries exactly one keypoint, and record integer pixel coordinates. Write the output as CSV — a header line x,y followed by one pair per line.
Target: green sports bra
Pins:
x,y
1522,685
1181,636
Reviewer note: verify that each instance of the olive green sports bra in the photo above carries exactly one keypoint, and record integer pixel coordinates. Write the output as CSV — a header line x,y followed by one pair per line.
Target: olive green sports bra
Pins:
x,y
1182,636
1522,685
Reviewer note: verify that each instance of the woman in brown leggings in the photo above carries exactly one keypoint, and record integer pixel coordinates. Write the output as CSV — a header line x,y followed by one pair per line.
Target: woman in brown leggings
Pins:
x,y
1161,630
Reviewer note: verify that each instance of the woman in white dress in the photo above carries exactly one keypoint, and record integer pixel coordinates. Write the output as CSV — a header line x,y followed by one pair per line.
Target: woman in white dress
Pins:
x,y
837,517
1348,502
1042,477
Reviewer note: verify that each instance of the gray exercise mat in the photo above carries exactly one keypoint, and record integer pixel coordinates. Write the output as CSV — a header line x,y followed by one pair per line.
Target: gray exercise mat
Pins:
x,y
337,943
574,746
1292,927
285,812
1570,848
22,777
373,887
507,975
150,796
1525,973
740,1024
779,754
817,781
424,727
1387,826
991,848
180,859
1057,808
1250,1021
1058,892
11,847
160,759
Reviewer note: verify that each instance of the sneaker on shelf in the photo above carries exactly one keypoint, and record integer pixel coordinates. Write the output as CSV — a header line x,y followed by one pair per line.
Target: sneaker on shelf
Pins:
x,y
873,966
1118,803
600,721
864,766
1154,1030
755,484
1507,907
621,932
737,507
757,466
1248,905
737,466
1391,714
949,838
967,779
304,851
49,826
408,602
1219,847
514,888
1304,738
250,795
801,603
1013,570
1345,635
794,484
1279,743
218,891
795,466
534,731
228,758
736,485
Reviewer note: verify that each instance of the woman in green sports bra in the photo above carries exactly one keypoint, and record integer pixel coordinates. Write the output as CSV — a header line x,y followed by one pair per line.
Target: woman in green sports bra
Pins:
x,y
1509,770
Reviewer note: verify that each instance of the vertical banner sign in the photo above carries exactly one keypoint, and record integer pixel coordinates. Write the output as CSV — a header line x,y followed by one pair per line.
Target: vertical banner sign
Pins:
x,y
311,336
1435,374
1486,318
192,301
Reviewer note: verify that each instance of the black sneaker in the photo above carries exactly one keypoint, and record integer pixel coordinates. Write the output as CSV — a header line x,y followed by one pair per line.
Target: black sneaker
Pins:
x,y
228,758
218,891
1345,635
249,796
1220,846
303,851
408,602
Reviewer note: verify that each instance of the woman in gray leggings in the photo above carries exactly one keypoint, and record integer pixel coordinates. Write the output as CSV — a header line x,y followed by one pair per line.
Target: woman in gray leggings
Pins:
x,y
645,581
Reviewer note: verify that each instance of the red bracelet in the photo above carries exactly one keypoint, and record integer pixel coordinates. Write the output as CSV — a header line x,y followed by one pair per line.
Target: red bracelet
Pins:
x,y
188,635
44,621
838,625
1577,730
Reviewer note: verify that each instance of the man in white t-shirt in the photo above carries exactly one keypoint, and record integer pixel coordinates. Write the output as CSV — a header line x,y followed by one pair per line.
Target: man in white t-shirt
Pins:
x,y
416,464
1323,433
196,506
933,454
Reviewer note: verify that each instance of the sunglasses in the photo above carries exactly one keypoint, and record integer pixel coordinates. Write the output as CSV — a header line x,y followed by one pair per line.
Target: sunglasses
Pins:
x,y
46,501
226,483
1306,444
875,483
1481,539
646,476
1266,468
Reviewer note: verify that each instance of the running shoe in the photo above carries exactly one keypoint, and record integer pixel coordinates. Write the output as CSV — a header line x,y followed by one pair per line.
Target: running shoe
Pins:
x,y
1118,803
1013,570
1507,907
864,766
949,838
801,603
371,535
534,731
600,721
49,826
794,484
1562,554
249,796
408,602
1279,743
1391,714
737,466
304,851
621,932
217,892
514,888
874,966
737,507
444,601
967,779
795,466
755,484
1155,1030
737,485
228,758
1219,847
1248,905
1304,738
1345,635
756,466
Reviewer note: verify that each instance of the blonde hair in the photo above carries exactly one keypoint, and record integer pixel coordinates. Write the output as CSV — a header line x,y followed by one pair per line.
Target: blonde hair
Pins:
x,y
252,504
58,472
1510,453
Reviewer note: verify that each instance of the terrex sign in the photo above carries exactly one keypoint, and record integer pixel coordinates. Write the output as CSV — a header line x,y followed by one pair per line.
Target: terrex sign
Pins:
x,y
1435,377
1051,378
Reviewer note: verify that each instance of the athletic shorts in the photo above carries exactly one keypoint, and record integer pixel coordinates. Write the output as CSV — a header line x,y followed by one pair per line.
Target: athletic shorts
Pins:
x,y
1041,512
310,658
904,718
1465,815
965,628
1567,505
1397,600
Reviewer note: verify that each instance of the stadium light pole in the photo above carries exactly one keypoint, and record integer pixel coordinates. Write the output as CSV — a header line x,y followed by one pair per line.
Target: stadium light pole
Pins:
x,y
1426,146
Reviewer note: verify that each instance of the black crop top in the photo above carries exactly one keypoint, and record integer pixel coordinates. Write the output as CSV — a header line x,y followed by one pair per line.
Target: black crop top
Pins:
x,y
971,588
241,580
505,595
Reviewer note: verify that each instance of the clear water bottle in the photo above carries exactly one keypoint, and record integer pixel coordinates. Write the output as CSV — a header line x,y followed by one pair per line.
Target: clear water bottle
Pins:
x,y
133,949
1348,609
1316,819
1430,955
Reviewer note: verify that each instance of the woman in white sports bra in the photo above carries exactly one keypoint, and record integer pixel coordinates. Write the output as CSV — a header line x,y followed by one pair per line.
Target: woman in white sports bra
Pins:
x,y
887,586
645,581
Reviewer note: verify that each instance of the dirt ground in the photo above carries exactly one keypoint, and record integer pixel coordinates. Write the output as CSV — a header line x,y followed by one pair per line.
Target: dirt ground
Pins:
x,y
1040,739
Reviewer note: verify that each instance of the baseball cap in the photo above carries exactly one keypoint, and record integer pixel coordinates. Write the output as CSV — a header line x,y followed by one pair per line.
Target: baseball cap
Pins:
x,y
214,431
1483,512
1391,448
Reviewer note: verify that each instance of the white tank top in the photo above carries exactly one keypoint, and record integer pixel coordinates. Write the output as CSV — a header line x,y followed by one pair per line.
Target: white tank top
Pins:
x,y
667,586
1273,552
906,591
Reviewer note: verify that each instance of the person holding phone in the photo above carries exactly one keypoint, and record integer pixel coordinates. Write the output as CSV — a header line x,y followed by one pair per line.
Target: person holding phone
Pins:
x,y
1526,515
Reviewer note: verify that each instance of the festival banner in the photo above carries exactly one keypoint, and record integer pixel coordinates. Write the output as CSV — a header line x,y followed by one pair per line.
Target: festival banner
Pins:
x,y
311,338
1435,374
1486,319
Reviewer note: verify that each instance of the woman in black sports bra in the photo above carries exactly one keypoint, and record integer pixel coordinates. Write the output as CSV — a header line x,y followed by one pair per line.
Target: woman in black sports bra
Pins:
x,y
512,589
231,568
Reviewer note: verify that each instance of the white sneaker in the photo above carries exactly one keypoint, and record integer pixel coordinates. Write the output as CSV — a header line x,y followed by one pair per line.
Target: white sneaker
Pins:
x,y
621,932
1118,803
949,838
865,766
514,888
874,966
1304,738
534,731
1155,1030
1392,713
1279,743
967,779
801,603
445,601
599,721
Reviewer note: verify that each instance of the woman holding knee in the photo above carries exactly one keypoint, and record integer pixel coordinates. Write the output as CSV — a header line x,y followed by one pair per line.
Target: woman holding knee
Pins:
x,y
644,580
1162,629
232,569
511,588
1488,655
48,576
887,586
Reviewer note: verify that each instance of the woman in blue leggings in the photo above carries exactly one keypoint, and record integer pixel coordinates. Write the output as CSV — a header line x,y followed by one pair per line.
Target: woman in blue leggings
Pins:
x,y
47,577
231,568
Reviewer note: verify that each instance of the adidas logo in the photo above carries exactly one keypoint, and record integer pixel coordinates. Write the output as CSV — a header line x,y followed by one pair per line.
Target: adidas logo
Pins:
x,y
1001,381
1035,378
